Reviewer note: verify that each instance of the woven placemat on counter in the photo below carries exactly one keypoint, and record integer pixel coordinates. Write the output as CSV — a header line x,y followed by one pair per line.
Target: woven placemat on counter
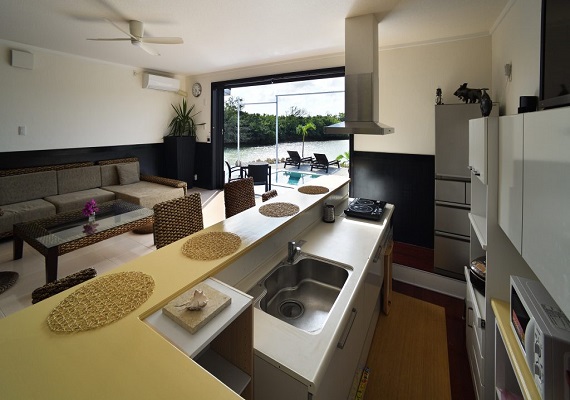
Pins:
x,y
313,189
279,209
101,301
211,245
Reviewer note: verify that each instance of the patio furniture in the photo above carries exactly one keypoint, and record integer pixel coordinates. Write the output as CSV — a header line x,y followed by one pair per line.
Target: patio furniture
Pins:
x,y
239,195
321,162
295,159
268,195
231,170
177,218
69,231
49,289
261,174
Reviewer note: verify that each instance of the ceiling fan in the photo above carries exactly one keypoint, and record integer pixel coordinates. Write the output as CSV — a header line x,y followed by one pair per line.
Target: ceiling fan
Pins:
x,y
136,36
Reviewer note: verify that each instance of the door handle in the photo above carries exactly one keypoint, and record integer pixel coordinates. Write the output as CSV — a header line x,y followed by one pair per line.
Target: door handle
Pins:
x,y
469,317
347,328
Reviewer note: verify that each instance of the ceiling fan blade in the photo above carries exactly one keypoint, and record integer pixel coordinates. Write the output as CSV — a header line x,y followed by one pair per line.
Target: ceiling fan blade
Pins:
x,y
121,29
111,39
146,48
162,40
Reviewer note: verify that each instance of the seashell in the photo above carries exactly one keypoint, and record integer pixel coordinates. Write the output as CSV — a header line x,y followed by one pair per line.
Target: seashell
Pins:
x,y
196,302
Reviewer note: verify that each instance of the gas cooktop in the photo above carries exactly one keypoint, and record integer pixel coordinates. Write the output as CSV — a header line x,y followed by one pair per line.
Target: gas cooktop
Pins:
x,y
365,208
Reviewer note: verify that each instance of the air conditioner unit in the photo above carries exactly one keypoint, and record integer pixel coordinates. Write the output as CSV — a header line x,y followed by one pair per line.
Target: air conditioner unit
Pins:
x,y
158,82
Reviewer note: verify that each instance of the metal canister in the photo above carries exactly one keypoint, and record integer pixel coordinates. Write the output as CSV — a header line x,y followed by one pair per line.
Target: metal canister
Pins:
x,y
328,213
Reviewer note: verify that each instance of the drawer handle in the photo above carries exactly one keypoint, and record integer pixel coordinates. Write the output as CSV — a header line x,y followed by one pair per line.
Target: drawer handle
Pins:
x,y
377,255
346,332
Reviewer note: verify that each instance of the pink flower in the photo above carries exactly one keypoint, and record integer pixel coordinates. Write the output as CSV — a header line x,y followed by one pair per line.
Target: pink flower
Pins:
x,y
90,208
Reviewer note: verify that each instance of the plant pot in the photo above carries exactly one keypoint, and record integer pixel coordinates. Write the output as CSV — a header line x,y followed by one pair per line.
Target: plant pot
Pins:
x,y
179,157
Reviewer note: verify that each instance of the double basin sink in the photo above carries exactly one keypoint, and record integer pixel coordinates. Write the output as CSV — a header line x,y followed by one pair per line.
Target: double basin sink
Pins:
x,y
303,292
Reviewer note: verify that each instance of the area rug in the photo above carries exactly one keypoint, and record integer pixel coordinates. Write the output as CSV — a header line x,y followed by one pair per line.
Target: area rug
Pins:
x,y
408,357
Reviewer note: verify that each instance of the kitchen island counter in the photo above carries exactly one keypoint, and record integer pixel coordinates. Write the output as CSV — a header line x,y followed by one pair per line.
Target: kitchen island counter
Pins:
x,y
127,358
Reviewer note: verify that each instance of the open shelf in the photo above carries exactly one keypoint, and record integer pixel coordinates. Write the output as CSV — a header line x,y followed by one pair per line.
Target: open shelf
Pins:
x,y
479,297
228,373
479,224
517,359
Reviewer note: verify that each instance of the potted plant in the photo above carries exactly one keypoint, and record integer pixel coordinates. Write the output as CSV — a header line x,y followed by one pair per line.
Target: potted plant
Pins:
x,y
180,144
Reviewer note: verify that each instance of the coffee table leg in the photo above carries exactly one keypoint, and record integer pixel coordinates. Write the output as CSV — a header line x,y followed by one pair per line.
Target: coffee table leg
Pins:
x,y
18,247
51,265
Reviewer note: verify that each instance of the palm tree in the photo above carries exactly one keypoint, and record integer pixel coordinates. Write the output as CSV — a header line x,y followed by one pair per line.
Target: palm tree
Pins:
x,y
303,130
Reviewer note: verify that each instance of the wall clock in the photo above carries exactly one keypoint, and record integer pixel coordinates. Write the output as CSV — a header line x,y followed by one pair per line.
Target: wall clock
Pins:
x,y
196,89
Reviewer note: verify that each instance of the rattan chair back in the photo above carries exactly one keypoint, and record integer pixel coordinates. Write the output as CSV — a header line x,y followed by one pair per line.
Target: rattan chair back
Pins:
x,y
177,218
238,196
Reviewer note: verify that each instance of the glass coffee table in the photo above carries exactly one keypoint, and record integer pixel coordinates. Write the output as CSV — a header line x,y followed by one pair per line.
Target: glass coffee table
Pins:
x,y
69,231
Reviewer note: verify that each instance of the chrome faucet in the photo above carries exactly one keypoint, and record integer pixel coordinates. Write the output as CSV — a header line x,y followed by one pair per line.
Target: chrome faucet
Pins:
x,y
292,251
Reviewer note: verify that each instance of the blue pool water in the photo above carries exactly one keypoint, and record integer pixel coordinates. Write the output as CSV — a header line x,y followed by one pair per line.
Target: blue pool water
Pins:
x,y
292,178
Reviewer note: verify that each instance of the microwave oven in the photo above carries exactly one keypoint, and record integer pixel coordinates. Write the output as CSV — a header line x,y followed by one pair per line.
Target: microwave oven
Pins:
x,y
543,334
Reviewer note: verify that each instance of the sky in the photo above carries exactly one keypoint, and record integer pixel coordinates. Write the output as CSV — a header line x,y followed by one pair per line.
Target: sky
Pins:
x,y
290,94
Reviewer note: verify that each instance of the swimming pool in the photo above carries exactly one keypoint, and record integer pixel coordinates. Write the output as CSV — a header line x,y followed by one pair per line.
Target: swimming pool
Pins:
x,y
291,178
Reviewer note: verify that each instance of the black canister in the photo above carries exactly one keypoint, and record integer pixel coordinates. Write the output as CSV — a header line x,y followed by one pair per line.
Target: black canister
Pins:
x,y
328,213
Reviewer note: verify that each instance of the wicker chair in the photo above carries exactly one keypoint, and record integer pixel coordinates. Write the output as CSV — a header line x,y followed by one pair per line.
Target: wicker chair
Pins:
x,y
269,195
238,196
49,289
177,218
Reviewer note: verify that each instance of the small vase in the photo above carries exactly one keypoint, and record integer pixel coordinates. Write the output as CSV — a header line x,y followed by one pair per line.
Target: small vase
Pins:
x,y
91,218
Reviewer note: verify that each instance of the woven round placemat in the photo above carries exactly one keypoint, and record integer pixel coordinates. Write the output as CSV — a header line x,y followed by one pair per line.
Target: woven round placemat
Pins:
x,y
211,245
279,209
101,301
313,189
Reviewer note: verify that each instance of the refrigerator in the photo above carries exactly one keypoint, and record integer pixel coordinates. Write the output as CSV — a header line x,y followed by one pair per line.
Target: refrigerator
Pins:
x,y
453,187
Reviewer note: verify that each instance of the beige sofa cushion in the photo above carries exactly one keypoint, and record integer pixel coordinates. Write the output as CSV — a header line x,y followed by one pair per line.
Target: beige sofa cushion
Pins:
x,y
144,193
17,188
76,200
24,211
77,179
128,173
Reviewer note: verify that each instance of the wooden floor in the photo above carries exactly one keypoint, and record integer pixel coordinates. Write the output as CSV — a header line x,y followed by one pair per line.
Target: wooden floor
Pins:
x,y
459,372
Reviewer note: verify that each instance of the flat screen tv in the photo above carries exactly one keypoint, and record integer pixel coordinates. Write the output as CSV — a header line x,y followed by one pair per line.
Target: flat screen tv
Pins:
x,y
555,54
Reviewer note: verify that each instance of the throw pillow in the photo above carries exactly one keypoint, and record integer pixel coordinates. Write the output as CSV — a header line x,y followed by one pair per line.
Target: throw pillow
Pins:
x,y
128,173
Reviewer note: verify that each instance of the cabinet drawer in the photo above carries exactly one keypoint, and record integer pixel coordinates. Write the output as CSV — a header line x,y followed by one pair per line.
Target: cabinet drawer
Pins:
x,y
452,191
452,220
451,254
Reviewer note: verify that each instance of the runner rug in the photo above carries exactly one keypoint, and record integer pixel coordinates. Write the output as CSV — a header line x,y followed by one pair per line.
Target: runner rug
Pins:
x,y
408,356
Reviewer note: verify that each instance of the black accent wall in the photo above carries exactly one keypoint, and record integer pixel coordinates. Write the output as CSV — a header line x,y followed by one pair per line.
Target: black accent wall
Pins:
x,y
150,156
405,180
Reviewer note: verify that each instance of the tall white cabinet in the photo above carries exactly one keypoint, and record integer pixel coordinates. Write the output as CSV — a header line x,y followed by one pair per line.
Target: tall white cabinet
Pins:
x,y
487,239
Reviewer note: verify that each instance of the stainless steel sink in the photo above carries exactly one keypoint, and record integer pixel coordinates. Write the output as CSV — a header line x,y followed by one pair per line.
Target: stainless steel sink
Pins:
x,y
303,293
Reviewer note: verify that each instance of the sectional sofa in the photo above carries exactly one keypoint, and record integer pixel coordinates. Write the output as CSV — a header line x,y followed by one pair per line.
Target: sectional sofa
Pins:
x,y
37,192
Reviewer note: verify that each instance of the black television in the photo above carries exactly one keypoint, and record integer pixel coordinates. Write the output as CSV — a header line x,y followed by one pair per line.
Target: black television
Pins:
x,y
555,54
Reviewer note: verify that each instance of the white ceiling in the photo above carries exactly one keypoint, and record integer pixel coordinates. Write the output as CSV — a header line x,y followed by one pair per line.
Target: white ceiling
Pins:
x,y
226,34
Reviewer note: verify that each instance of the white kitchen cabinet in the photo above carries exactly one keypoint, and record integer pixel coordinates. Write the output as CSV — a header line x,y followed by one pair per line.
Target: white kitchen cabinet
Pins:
x,y
511,136
478,137
503,259
475,334
546,196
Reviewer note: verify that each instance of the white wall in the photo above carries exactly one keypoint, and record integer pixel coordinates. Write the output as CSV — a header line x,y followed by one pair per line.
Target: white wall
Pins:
x,y
409,78
516,39
70,102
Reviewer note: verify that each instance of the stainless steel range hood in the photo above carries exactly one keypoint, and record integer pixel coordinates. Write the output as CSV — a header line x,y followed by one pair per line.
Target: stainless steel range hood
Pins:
x,y
361,79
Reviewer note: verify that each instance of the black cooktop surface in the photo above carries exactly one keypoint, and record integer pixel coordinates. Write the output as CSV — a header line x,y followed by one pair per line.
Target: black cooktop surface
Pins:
x,y
365,208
